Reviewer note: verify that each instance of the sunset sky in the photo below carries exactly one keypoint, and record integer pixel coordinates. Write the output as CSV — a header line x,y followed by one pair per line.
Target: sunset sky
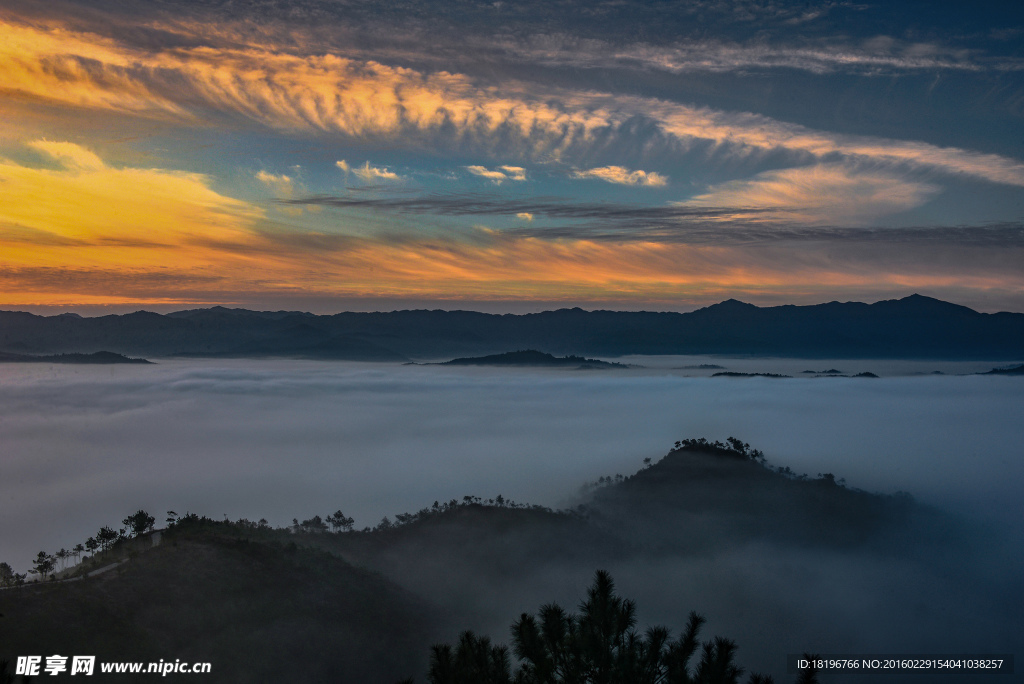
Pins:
x,y
330,155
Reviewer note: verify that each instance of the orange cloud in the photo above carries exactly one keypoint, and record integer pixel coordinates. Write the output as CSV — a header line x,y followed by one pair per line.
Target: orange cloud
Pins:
x,y
375,173
622,176
502,173
88,214
75,68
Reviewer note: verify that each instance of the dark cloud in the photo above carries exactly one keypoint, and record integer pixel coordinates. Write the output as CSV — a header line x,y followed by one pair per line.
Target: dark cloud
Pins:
x,y
472,204
616,222
64,278
744,231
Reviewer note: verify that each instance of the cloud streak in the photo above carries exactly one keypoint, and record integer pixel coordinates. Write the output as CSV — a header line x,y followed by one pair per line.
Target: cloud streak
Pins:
x,y
476,204
878,56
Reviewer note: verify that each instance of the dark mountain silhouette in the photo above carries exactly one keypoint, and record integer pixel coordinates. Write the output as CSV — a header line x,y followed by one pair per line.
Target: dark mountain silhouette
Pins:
x,y
1013,370
728,491
533,358
734,374
95,357
913,327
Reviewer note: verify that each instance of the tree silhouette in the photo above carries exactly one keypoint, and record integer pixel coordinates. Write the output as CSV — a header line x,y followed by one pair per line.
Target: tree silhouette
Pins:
x,y
599,645
473,661
43,564
9,578
5,676
716,662
106,537
809,675
339,522
139,523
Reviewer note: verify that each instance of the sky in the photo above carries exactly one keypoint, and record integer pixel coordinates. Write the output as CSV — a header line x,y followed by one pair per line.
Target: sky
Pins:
x,y
331,155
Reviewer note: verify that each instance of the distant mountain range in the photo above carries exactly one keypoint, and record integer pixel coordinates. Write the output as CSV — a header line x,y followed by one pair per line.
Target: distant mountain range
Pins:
x,y
912,327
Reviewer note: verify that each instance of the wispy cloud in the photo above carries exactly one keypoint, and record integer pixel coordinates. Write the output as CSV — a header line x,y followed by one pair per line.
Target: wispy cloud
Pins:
x,y
516,173
502,173
828,193
622,176
369,174
279,182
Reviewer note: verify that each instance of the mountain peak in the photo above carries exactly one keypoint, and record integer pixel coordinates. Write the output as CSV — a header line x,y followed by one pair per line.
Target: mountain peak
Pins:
x,y
919,302
731,305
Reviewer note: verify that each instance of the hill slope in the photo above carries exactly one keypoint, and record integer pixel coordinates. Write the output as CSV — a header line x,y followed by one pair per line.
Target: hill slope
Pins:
x,y
256,609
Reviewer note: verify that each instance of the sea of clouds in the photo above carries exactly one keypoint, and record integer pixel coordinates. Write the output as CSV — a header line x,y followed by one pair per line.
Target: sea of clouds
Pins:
x,y
84,446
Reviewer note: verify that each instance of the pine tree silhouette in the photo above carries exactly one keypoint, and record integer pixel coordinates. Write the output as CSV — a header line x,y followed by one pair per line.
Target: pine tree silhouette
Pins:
x,y
809,675
598,645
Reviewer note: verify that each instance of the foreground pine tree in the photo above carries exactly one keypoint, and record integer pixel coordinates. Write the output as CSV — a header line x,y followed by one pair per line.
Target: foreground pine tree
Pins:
x,y
598,645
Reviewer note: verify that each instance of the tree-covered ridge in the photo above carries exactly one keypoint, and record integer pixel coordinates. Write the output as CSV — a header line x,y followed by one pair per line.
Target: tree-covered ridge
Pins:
x,y
47,566
108,543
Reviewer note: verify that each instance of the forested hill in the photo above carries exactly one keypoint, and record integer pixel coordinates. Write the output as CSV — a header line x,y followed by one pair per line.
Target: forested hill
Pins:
x,y
912,327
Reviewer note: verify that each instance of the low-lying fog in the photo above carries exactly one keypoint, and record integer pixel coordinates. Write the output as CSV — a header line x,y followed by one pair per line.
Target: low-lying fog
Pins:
x,y
83,446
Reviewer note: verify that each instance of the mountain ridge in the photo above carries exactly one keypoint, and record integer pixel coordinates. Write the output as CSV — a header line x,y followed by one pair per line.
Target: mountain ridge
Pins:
x,y
912,327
